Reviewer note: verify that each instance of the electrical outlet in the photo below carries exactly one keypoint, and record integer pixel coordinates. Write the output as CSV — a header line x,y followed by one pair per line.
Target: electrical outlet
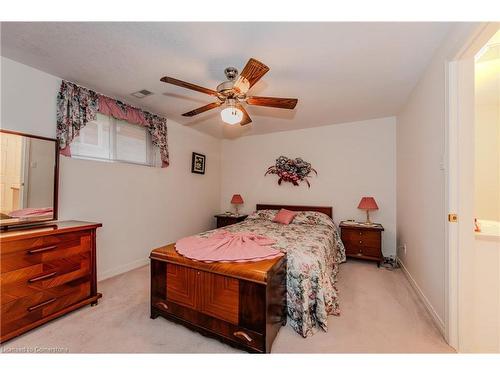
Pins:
x,y
402,249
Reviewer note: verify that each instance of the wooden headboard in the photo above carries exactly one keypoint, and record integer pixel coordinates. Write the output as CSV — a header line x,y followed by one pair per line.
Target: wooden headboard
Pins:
x,y
323,209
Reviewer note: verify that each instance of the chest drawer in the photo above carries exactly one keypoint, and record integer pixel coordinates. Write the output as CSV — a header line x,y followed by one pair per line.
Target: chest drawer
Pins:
x,y
29,309
24,253
30,280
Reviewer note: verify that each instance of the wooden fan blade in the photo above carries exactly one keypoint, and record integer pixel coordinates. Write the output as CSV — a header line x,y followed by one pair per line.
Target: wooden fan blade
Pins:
x,y
205,108
264,101
246,118
190,86
252,72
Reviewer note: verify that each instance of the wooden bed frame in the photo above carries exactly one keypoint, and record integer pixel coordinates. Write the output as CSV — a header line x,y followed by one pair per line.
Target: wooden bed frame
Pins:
x,y
323,209
241,304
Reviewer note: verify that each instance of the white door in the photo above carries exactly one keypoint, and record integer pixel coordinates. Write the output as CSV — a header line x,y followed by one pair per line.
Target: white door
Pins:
x,y
474,270
11,172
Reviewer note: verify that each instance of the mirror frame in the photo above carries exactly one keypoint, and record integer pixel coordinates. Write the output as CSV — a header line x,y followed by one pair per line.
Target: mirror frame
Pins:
x,y
35,222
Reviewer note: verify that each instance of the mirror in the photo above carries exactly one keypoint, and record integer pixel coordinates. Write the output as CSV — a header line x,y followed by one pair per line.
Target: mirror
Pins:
x,y
28,179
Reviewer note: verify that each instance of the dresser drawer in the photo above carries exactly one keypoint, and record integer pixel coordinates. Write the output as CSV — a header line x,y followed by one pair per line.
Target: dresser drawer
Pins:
x,y
24,253
27,310
33,279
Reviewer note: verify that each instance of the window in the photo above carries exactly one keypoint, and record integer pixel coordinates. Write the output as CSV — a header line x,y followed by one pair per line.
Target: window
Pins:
x,y
109,139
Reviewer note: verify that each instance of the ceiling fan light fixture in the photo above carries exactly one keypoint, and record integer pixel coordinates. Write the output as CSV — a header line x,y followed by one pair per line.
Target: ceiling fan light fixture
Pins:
x,y
232,94
231,115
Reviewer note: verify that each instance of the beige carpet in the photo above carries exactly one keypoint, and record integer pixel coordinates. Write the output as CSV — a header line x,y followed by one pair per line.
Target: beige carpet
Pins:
x,y
380,314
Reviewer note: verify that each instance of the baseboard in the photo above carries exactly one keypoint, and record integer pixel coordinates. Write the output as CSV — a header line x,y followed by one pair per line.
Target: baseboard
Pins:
x,y
122,269
435,317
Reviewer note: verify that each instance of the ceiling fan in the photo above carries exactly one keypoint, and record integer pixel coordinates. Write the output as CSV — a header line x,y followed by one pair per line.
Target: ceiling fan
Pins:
x,y
233,92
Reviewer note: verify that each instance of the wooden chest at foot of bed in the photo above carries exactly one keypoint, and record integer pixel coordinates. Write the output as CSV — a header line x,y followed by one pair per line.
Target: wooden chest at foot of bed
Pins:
x,y
241,304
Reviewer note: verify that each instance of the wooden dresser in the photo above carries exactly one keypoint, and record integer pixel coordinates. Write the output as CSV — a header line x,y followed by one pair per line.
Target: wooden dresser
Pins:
x,y
362,241
46,272
242,304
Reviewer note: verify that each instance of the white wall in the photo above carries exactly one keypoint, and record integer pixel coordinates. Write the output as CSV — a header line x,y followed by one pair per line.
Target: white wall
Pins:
x,y
421,206
487,139
352,159
140,207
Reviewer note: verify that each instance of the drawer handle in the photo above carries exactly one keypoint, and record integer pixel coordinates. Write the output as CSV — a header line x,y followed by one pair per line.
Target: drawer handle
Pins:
x,y
360,241
42,277
42,249
243,336
42,304
162,305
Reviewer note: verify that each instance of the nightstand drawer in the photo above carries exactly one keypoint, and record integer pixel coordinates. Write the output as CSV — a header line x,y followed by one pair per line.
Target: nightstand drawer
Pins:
x,y
361,237
363,251
374,252
223,220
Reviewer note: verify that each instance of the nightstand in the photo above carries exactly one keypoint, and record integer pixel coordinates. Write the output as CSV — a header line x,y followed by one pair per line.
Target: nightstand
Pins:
x,y
224,220
362,241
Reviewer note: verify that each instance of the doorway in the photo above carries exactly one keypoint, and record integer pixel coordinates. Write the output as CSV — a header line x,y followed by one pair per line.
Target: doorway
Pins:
x,y
13,177
473,282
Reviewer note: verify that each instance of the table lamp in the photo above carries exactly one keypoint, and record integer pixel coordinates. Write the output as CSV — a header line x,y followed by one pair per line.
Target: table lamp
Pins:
x,y
368,204
237,200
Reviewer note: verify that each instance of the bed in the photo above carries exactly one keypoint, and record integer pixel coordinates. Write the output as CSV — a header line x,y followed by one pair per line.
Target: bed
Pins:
x,y
300,284
314,251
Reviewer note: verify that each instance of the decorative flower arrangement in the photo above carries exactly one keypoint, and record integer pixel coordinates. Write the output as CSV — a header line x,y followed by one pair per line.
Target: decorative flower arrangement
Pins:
x,y
291,170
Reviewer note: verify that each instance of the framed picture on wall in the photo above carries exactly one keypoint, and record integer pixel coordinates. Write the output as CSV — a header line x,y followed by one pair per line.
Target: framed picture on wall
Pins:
x,y
198,163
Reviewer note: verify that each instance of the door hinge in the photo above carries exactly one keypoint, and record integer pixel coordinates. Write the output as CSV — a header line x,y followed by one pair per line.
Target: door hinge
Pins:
x,y
452,218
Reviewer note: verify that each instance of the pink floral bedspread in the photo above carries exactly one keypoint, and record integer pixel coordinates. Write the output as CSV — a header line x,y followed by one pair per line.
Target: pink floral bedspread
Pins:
x,y
314,251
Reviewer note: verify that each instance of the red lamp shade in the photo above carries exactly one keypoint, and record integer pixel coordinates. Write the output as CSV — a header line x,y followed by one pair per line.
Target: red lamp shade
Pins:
x,y
368,203
237,199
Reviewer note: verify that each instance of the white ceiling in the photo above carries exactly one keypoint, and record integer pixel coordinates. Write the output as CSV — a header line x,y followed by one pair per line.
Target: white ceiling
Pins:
x,y
340,72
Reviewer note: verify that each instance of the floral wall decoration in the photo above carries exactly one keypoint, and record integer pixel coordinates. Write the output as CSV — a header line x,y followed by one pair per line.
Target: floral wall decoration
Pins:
x,y
291,170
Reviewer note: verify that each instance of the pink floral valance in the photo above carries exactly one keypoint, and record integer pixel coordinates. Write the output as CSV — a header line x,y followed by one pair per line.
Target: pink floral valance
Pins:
x,y
77,105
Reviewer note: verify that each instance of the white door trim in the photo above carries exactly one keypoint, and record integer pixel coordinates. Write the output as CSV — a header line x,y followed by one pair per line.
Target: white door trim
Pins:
x,y
459,191
25,168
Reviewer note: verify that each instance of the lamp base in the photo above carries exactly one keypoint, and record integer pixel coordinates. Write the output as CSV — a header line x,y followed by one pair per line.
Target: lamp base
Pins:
x,y
368,221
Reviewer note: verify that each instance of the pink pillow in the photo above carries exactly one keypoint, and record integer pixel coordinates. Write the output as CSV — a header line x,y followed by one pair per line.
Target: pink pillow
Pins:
x,y
284,216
